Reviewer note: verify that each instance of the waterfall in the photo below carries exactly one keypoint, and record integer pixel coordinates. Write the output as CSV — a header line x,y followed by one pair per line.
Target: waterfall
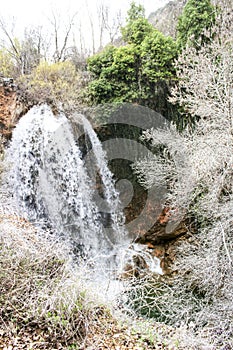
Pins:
x,y
60,180
56,185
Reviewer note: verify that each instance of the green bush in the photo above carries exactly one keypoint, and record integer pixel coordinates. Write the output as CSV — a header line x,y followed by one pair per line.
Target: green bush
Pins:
x,y
57,84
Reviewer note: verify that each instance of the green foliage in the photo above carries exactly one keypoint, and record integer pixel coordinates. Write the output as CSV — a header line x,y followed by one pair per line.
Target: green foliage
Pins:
x,y
137,27
100,90
98,63
158,53
116,75
197,16
56,83
136,31
6,63
135,12
139,72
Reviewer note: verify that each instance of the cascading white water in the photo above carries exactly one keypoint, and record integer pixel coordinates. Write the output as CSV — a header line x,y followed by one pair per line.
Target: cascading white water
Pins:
x,y
52,184
95,162
61,181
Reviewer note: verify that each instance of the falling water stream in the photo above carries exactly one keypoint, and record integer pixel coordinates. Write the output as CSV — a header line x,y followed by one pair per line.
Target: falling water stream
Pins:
x,y
61,181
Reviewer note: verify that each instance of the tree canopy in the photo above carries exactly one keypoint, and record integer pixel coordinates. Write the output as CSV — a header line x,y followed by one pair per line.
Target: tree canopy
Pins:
x,y
197,16
137,26
139,71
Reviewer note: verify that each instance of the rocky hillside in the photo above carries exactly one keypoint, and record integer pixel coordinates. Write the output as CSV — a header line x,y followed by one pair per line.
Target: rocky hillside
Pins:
x,y
165,18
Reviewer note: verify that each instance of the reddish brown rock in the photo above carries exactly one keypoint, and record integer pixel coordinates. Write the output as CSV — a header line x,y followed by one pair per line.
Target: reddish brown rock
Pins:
x,y
163,238
167,226
11,109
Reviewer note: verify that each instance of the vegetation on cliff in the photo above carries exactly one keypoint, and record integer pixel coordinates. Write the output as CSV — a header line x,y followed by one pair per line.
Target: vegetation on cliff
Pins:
x,y
57,84
194,73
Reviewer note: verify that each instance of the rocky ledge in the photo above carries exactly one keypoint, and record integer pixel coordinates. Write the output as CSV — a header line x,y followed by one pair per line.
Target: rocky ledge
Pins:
x,y
11,108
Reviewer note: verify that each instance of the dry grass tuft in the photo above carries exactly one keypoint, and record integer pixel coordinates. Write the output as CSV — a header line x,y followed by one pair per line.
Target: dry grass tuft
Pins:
x,y
44,303
41,300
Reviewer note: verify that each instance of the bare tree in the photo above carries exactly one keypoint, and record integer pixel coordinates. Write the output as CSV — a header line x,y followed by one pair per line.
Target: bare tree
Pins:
x,y
113,26
202,184
33,48
108,24
13,46
92,27
101,18
61,38
26,52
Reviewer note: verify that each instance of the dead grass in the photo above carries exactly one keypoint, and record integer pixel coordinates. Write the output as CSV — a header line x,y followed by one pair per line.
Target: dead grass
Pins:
x,y
40,298
44,303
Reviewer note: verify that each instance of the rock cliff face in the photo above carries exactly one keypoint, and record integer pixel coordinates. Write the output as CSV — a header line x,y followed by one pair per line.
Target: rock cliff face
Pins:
x,y
165,18
10,107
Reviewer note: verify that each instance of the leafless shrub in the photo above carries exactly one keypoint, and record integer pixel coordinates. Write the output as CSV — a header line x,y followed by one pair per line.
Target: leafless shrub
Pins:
x,y
205,270
200,295
200,308
170,166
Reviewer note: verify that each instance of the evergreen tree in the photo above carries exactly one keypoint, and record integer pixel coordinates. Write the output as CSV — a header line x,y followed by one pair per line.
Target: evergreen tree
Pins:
x,y
138,72
137,26
197,16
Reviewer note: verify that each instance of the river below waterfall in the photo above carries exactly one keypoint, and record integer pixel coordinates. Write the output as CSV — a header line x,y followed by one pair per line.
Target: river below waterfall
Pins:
x,y
60,179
